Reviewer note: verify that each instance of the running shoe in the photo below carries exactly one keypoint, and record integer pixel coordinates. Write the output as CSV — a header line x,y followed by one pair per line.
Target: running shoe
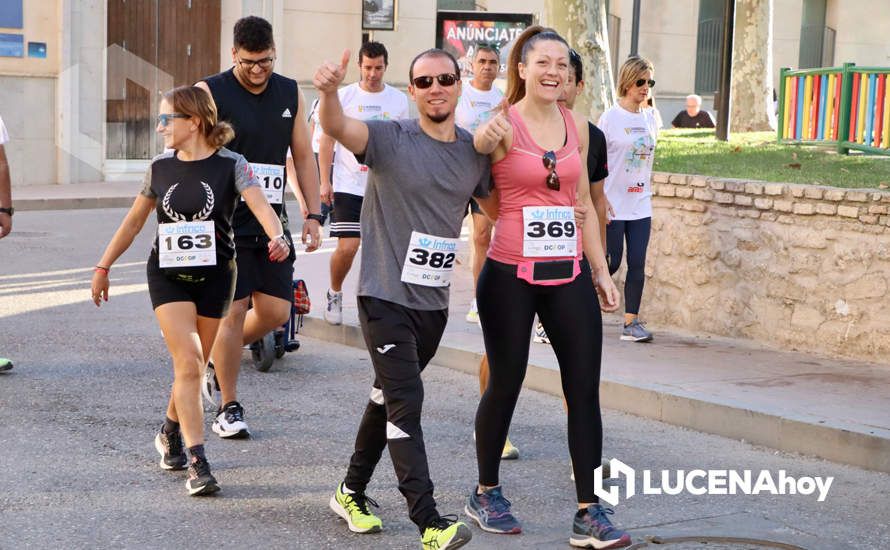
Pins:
x,y
510,452
445,533
540,335
5,364
200,481
333,314
591,528
473,314
353,507
229,423
492,512
210,386
171,449
636,332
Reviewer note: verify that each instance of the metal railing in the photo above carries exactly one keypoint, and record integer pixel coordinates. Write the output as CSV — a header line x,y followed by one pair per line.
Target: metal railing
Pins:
x,y
847,106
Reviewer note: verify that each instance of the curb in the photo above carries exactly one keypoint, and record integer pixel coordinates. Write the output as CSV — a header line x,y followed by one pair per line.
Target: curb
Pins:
x,y
796,435
78,203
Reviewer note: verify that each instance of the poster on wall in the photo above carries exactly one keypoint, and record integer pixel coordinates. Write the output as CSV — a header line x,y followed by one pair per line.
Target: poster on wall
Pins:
x,y
12,45
458,32
379,15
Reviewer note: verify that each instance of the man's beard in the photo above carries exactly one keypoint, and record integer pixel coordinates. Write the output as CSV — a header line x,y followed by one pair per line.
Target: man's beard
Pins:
x,y
439,119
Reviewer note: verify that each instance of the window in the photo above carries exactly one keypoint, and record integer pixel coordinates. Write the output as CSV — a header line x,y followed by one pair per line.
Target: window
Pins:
x,y
709,46
813,35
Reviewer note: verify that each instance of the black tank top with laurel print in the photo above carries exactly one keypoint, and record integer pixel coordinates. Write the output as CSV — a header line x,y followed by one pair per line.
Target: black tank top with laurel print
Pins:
x,y
201,190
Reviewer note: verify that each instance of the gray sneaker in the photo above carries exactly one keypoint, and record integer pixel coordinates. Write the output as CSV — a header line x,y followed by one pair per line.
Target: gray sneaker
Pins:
x,y
636,332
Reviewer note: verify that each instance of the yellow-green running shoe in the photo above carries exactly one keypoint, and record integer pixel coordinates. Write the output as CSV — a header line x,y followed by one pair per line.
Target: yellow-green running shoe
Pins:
x,y
445,533
353,507
510,452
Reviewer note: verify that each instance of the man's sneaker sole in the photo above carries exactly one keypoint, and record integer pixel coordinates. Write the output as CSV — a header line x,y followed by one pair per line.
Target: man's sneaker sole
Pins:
x,y
627,338
340,511
591,542
160,448
240,434
472,515
204,490
460,538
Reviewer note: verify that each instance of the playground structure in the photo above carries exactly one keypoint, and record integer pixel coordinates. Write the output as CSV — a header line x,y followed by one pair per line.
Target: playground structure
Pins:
x,y
847,106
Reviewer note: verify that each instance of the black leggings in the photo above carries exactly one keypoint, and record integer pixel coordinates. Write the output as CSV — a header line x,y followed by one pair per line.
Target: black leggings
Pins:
x,y
636,232
570,314
401,342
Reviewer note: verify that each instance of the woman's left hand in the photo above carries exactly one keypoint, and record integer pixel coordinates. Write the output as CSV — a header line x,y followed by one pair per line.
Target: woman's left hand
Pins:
x,y
279,249
606,289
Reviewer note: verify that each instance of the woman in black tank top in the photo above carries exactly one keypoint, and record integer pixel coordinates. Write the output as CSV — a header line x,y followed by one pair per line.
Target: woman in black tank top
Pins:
x,y
194,189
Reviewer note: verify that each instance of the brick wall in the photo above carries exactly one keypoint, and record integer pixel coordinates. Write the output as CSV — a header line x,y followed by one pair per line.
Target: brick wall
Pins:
x,y
796,266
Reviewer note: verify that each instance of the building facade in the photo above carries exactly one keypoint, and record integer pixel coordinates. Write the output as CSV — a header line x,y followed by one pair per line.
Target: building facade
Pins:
x,y
80,104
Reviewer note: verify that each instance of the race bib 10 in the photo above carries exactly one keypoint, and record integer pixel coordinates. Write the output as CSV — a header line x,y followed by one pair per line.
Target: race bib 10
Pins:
x,y
549,231
272,180
187,244
429,260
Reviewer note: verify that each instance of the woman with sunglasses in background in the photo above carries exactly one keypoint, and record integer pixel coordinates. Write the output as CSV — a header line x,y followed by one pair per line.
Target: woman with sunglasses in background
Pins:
x,y
535,265
194,188
631,130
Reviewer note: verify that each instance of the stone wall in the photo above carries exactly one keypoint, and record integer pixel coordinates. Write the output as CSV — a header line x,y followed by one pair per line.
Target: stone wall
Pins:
x,y
795,266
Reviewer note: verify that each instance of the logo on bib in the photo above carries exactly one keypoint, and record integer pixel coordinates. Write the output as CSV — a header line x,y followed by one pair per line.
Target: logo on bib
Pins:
x,y
424,242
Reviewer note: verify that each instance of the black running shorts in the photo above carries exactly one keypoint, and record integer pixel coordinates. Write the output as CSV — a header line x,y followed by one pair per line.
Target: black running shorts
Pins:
x,y
257,273
345,219
211,292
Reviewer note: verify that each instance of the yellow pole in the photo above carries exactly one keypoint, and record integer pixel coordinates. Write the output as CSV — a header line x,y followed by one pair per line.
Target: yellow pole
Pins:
x,y
886,128
786,133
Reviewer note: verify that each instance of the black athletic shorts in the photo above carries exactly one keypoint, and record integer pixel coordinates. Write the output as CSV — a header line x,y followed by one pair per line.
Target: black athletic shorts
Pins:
x,y
345,219
473,207
210,289
257,273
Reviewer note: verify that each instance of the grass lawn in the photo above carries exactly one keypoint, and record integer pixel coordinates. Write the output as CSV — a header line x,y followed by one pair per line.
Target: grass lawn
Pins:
x,y
756,155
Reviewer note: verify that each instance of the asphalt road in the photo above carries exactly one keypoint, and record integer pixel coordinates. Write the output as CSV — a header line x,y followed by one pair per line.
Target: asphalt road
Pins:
x,y
79,411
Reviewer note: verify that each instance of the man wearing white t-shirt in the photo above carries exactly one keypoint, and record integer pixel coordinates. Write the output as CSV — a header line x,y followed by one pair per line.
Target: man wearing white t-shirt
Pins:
x,y
477,103
5,206
368,99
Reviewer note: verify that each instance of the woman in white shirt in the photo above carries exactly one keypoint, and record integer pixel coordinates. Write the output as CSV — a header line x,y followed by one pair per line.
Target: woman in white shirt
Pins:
x,y
631,132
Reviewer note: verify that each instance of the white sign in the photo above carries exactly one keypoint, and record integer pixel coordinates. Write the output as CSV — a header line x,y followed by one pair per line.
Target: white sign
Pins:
x,y
187,244
549,231
429,260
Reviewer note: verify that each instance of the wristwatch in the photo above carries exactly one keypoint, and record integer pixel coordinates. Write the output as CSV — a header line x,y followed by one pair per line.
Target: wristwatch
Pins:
x,y
9,210
317,217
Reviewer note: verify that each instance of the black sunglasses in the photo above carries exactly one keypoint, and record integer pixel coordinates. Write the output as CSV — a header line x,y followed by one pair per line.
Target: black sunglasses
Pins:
x,y
549,160
249,64
164,118
642,81
445,80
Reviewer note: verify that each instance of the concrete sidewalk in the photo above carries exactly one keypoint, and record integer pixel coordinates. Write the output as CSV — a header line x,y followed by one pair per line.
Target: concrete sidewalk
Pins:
x,y
791,401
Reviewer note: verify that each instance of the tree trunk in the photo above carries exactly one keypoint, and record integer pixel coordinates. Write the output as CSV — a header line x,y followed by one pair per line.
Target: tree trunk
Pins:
x,y
752,67
583,24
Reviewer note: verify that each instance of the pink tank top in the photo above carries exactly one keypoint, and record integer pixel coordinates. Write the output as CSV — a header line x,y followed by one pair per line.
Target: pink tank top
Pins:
x,y
521,177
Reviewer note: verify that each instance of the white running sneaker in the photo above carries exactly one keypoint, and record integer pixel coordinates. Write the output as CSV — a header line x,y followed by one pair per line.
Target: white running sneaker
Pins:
x,y
540,335
333,314
473,314
210,386
230,424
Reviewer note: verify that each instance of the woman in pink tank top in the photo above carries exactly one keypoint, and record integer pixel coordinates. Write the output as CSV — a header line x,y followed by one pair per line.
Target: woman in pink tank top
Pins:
x,y
541,262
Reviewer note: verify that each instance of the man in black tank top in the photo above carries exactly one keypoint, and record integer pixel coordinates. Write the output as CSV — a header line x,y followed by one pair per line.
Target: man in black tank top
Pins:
x,y
268,114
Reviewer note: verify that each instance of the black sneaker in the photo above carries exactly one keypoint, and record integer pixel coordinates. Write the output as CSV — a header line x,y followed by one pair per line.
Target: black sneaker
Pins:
x,y
200,481
171,449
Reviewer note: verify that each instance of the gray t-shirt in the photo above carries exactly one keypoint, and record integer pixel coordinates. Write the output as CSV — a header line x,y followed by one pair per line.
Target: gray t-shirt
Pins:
x,y
415,183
